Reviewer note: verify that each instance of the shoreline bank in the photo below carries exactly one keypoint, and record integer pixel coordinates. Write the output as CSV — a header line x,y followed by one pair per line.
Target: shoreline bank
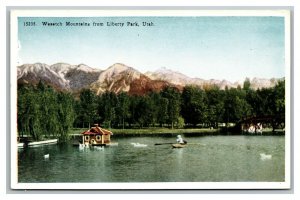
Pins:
x,y
174,132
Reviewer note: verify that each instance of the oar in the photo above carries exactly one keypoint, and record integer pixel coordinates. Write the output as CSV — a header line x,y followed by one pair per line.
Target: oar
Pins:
x,y
163,143
197,144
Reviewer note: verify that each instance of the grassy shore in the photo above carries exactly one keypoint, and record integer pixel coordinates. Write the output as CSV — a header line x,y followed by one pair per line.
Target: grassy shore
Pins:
x,y
162,131
171,132
155,131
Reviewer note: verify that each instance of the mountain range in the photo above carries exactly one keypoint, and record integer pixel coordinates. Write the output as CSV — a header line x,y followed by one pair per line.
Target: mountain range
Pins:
x,y
118,78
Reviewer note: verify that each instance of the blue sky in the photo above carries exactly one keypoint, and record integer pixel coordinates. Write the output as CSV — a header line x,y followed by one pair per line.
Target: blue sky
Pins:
x,y
231,48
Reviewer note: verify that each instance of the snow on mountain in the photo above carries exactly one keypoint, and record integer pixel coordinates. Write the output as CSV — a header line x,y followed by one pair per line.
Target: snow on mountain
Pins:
x,y
181,79
33,73
118,78
61,68
116,70
61,75
169,75
258,83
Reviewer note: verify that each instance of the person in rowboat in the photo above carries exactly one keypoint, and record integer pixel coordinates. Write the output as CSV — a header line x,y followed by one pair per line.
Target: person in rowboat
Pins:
x,y
180,140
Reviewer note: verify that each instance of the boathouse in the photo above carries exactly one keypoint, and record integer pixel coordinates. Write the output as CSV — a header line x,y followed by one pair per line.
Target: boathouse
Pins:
x,y
96,136
256,124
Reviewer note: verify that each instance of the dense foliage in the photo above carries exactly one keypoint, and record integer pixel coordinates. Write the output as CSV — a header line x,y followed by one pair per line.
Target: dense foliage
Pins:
x,y
44,112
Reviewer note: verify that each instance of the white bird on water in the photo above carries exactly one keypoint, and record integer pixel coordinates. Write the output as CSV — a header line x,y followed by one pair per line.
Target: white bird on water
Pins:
x,y
139,145
264,156
46,156
98,148
81,146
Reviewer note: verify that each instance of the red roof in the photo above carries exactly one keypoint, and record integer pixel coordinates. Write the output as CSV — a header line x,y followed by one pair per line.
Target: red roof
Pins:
x,y
90,133
97,131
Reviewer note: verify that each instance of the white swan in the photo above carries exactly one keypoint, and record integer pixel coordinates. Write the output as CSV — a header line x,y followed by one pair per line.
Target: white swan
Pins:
x,y
98,148
264,156
139,145
46,156
81,146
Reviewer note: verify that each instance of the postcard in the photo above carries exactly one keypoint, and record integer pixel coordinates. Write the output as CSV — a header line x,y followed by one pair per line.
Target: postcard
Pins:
x,y
150,99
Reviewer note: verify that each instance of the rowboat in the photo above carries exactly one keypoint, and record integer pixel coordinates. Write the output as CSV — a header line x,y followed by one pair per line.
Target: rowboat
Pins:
x,y
20,145
53,141
178,145
38,143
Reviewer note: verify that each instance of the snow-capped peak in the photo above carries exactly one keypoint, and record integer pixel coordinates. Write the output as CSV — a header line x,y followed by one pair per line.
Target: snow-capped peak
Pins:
x,y
84,67
117,77
117,68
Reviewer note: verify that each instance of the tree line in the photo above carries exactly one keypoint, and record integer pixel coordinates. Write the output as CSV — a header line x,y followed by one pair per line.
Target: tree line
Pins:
x,y
44,111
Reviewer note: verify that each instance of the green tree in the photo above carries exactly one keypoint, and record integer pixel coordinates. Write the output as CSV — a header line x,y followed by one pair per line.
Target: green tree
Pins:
x,y
42,112
247,84
235,105
132,117
266,101
88,107
194,105
254,101
65,115
215,106
162,113
173,96
180,122
23,109
48,110
107,108
122,109
279,98
144,111
29,115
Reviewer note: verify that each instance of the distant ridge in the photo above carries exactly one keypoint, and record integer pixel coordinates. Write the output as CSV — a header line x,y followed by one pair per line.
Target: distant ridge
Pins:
x,y
119,78
181,79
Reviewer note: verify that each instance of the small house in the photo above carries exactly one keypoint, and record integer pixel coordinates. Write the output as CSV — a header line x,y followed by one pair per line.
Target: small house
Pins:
x,y
96,136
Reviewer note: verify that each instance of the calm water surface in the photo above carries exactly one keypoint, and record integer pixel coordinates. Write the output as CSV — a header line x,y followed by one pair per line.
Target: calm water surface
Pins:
x,y
205,159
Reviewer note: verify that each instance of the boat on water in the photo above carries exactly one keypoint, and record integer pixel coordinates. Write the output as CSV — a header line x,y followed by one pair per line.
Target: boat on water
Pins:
x,y
37,143
53,141
97,136
181,143
178,145
20,145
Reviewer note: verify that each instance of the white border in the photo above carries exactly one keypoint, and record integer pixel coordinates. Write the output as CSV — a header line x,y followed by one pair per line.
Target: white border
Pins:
x,y
165,185
146,12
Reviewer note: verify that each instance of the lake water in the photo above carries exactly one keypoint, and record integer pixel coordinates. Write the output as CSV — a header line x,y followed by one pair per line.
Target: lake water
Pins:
x,y
205,159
